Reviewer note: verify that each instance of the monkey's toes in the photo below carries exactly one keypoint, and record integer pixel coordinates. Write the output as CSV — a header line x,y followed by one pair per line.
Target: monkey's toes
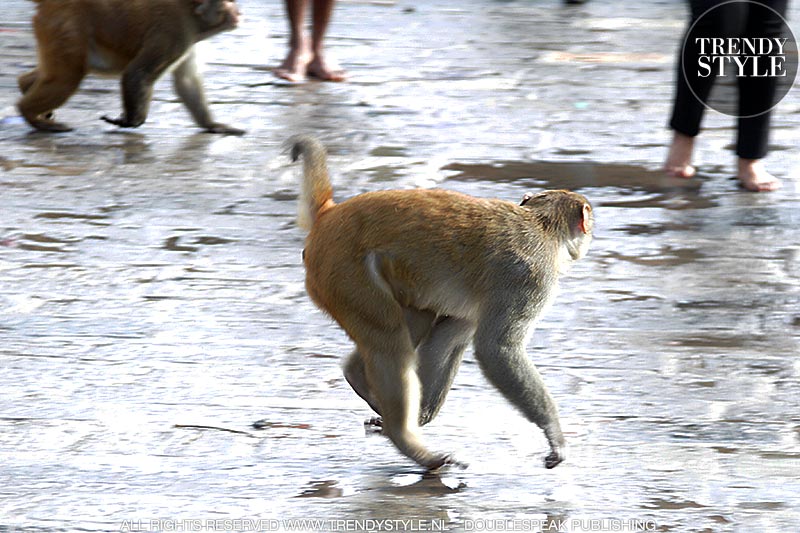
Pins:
x,y
52,126
374,421
116,121
224,129
452,461
445,460
46,123
122,122
373,425
554,459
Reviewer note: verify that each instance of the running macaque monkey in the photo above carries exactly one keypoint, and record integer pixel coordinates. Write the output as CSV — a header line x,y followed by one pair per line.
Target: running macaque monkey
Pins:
x,y
414,275
139,39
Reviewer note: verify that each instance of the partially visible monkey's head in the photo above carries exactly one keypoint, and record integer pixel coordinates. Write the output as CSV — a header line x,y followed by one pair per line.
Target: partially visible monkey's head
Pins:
x,y
564,215
219,15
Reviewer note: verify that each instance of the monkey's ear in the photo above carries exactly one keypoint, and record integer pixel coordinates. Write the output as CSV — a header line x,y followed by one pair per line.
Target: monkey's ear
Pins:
x,y
585,225
526,198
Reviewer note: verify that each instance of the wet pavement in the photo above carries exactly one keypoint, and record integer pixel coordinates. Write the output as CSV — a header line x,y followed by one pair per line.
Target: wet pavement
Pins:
x,y
152,303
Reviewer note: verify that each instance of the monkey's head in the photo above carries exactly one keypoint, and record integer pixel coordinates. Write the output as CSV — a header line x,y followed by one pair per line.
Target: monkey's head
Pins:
x,y
216,15
564,215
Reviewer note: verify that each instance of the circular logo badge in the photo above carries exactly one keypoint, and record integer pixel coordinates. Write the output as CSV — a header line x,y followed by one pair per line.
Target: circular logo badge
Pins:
x,y
740,58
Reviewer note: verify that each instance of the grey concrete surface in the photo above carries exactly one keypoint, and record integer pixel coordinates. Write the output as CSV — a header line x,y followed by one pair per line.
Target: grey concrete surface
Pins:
x,y
152,303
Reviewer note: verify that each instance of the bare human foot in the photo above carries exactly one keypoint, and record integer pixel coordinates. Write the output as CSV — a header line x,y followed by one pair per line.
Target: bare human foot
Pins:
x,y
319,68
754,177
305,57
295,66
679,159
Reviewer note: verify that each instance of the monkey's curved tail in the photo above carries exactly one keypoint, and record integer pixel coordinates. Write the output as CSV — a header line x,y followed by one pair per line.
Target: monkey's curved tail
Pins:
x,y
316,193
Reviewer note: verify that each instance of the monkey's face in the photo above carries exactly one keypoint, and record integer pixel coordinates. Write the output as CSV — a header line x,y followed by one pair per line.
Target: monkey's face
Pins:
x,y
221,15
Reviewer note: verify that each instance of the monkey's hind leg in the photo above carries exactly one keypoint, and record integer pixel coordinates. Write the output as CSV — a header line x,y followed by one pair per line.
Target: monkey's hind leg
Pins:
x,y
391,372
46,88
26,81
43,95
383,340
439,358
62,67
420,324
356,376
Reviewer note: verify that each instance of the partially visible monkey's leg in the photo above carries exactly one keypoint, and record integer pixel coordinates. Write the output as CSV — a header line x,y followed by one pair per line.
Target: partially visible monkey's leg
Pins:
x,y
44,95
391,372
355,374
26,81
439,358
62,67
137,86
377,325
419,324
188,84
500,350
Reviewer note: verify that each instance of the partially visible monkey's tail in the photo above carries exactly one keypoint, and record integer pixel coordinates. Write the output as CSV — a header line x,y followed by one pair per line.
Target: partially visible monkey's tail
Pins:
x,y
316,193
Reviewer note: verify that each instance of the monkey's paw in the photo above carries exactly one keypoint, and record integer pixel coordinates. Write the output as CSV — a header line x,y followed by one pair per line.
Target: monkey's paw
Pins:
x,y
122,122
51,126
555,458
373,425
452,461
447,460
224,129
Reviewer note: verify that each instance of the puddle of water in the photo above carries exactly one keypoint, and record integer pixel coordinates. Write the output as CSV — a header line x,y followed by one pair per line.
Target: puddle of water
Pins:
x,y
572,175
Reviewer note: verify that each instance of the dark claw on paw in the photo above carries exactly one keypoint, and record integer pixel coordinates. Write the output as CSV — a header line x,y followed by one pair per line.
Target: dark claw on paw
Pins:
x,y
553,460
122,123
447,460
224,129
375,421
452,461
373,425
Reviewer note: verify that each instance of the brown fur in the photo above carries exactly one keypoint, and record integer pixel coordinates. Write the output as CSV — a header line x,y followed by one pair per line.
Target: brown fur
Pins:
x,y
413,275
139,39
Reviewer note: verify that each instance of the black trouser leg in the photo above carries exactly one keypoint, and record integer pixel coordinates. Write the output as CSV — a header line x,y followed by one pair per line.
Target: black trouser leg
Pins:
x,y
757,95
729,20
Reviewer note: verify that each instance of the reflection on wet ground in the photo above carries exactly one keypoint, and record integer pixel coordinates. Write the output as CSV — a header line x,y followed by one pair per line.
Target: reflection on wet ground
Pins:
x,y
161,361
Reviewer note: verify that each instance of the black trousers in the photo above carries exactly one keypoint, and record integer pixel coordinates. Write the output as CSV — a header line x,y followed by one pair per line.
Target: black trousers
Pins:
x,y
737,19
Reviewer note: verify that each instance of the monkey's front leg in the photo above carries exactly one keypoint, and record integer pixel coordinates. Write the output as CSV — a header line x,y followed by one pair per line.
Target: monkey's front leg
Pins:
x,y
500,350
137,91
188,85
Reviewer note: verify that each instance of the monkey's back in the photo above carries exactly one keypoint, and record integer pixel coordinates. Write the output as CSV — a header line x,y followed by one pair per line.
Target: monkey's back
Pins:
x,y
426,244
112,31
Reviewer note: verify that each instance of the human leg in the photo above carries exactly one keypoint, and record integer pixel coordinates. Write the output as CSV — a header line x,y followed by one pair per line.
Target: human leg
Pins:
x,y
294,66
691,89
318,66
757,96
